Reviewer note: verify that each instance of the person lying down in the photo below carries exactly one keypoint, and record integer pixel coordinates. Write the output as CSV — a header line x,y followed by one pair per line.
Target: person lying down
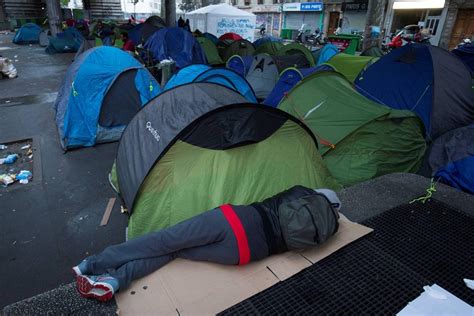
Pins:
x,y
297,218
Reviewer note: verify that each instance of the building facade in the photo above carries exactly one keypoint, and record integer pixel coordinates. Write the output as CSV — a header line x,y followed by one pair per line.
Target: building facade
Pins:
x,y
459,23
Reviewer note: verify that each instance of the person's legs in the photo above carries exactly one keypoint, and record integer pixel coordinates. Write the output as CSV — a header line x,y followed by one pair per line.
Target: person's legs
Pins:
x,y
207,228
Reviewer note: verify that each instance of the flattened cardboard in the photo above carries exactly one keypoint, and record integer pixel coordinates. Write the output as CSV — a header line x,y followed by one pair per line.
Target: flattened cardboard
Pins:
x,y
201,288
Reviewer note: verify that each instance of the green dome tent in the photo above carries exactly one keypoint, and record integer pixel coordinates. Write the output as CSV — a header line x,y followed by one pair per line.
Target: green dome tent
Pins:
x,y
270,48
210,50
196,153
350,65
229,48
297,49
360,139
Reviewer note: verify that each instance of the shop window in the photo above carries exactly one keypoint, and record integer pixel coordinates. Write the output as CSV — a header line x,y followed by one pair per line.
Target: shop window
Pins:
x,y
246,2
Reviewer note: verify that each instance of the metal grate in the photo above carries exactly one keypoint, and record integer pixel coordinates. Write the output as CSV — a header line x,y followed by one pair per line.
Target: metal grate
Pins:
x,y
412,246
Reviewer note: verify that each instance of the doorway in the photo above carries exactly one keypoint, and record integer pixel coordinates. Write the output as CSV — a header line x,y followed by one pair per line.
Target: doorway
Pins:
x,y
333,22
463,28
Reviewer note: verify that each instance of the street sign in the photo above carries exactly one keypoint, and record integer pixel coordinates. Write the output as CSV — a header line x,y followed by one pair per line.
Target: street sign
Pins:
x,y
305,6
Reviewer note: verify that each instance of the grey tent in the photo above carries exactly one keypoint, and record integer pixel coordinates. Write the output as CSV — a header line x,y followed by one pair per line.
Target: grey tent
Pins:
x,y
86,45
265,71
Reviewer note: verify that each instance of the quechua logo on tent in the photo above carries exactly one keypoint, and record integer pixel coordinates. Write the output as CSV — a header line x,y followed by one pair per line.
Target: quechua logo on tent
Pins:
x,y
153,131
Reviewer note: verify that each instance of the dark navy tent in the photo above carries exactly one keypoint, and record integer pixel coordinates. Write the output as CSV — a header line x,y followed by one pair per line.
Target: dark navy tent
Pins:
x,y
177,44
142,32
240,64
425,79
68,41
288,79
27,34
266,39
222,76
466,54
101,92
452,158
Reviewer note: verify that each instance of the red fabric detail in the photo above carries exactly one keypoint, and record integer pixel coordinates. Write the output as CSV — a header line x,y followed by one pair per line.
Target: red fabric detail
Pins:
x,y
230,36
239,232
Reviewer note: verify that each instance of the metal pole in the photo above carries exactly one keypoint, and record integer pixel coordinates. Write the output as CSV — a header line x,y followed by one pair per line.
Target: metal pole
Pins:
x,y
53,10
170,9
375,17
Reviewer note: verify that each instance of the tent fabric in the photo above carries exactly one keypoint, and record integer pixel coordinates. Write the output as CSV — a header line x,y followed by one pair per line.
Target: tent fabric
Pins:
x,y
373,51
89,82
222,18
270,48
298,49
428,80
240,47
142,32
44,38
210,50
359,138
350,65
210,154
452,158
28,33
230,36
68,41
86,45
211,37
240,65
466,54
327,52
222,76
266,39
265,70
289,78
176,44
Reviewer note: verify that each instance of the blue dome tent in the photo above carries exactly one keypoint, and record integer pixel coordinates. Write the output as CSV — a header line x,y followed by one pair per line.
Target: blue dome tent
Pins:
x,y
222,76
27,34
177,44
288,79
101,92
266,39
466,53
239,64
427,80
452,158
326,53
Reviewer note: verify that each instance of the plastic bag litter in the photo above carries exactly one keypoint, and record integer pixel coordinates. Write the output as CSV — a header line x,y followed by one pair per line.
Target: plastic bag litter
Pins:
x,y
7,68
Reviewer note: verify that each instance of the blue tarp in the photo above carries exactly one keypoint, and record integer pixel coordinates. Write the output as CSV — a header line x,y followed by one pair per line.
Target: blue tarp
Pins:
x,y
239,64
222,76
177,44
458,174
84,87
27,34
288,79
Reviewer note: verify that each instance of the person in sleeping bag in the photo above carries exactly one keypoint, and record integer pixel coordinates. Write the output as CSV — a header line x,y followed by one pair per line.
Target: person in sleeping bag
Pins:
x,y
297,218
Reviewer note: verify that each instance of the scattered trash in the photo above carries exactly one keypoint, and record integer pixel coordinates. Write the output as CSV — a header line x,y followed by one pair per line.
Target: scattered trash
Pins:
x,y
13,243
24,176
2,147
145,287
26,146
107,212
469,283
6,179
132,292
9,159
8,101
7,68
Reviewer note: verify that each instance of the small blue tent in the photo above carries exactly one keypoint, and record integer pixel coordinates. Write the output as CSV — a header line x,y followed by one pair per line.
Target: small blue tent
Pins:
x,y
326,53
101,92
452,158
222,76
425,79
266,39
239,64
466,54
177,44
68,41
288,79
27,34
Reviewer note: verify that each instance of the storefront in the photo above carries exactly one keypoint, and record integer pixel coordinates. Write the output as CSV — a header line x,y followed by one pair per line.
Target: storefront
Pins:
x,y
270,17
308,13
429,14
354,17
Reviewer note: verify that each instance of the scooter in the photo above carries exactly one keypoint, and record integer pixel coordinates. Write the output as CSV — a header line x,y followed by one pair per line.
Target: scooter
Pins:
x,y
316,38
409,34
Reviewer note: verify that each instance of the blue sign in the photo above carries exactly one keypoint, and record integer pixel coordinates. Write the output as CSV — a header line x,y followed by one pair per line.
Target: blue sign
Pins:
x,y
311,6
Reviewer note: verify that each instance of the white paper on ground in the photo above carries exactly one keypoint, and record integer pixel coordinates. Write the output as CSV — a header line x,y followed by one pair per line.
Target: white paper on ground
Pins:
x,y
436,301
201,288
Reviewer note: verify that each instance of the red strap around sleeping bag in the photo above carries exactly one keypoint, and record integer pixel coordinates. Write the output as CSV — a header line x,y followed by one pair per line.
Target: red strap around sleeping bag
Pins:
x,y
239,232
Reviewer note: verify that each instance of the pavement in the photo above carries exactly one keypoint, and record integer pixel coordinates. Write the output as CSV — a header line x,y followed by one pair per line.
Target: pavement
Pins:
x,y
50,224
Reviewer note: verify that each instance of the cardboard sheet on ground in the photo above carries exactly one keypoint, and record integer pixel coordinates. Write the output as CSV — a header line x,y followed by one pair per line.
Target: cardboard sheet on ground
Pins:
x,y
200,288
